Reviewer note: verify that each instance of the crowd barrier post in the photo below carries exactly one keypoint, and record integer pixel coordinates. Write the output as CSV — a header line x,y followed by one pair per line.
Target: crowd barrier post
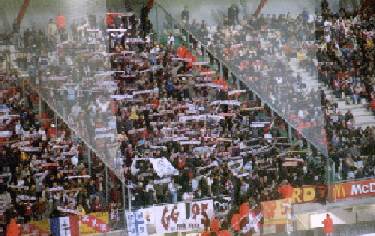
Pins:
x,y
226,72
188,40
308,146
290,136
106,186
330,169
89,161
157,23
220,68
124,202
55,118
23,87
40,107
129,199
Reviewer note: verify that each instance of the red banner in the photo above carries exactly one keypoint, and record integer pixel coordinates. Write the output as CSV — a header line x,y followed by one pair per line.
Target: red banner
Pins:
x,y
354,189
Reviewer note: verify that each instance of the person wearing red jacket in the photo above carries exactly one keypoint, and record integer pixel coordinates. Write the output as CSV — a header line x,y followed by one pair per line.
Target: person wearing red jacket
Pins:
x,y
328,225
13,229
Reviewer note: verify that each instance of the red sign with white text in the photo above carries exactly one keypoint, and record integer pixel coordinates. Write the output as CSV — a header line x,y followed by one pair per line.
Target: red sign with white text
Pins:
x,y
354,189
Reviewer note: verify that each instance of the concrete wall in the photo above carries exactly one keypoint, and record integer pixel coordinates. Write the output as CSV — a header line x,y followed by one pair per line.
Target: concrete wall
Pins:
x,y
207,9
40,11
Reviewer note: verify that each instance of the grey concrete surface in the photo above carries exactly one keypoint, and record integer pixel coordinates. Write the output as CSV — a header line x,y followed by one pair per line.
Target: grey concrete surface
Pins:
x,y
40,11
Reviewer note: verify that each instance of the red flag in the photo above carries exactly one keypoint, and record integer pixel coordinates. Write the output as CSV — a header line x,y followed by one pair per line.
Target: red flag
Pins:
x,y
244,209
224,233
260,7
236,219
74,225
215,225
150,4
22,12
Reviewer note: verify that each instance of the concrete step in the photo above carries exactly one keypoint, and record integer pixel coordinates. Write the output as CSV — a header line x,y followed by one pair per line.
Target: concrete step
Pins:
x,y
364,125
344,105
357,112
363,118
359,120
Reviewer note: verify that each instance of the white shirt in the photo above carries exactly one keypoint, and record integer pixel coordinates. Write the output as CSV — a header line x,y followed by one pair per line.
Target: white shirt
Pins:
x,y
171,40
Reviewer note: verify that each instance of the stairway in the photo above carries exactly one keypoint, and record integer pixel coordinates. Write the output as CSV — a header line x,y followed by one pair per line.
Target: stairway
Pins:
x,y
363,118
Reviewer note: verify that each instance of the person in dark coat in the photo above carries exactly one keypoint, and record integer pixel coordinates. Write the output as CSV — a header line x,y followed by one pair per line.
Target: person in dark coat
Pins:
x,y
185,15
233,13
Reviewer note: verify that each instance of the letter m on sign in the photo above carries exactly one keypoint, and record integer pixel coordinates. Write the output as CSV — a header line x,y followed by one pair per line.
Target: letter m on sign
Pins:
x,y
356,190
338,192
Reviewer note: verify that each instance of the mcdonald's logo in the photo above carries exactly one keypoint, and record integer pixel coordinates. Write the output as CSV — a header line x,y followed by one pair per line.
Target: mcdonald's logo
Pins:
x,y
338,192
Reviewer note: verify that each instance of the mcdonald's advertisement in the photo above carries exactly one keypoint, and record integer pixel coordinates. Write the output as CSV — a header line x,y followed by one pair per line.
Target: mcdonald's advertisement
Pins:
x,y
354,189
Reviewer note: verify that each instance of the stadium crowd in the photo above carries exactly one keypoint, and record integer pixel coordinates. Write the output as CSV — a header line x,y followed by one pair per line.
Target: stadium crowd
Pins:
x,y
183,131
337,49
346,66
169,126
45,170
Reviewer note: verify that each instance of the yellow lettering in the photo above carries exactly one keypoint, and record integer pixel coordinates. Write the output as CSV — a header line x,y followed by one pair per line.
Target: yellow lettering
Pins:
x,y
338,191
308,194
296,198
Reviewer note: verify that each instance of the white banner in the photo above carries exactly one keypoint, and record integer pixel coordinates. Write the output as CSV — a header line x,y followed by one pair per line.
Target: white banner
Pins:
x,y
258,124
136,223
207,73
163,167
78,176
210,85
183,119
122,97
200,63
64,226
134,40
236,91
226,102
5,134
190,142
141,222
55,78
117,30
182,217
30,149
146,91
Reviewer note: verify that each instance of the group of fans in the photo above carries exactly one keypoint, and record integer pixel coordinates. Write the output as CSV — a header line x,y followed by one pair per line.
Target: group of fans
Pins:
x,y
288,60
47,169
172,128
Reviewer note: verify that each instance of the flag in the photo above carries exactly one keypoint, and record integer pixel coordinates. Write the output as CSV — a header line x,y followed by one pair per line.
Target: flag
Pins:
x,y
64,226
150,4
60,226
260,7
136,224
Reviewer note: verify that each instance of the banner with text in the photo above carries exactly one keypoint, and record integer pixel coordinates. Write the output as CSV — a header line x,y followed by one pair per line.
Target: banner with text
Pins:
x,y
180,217
353,189
276,212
